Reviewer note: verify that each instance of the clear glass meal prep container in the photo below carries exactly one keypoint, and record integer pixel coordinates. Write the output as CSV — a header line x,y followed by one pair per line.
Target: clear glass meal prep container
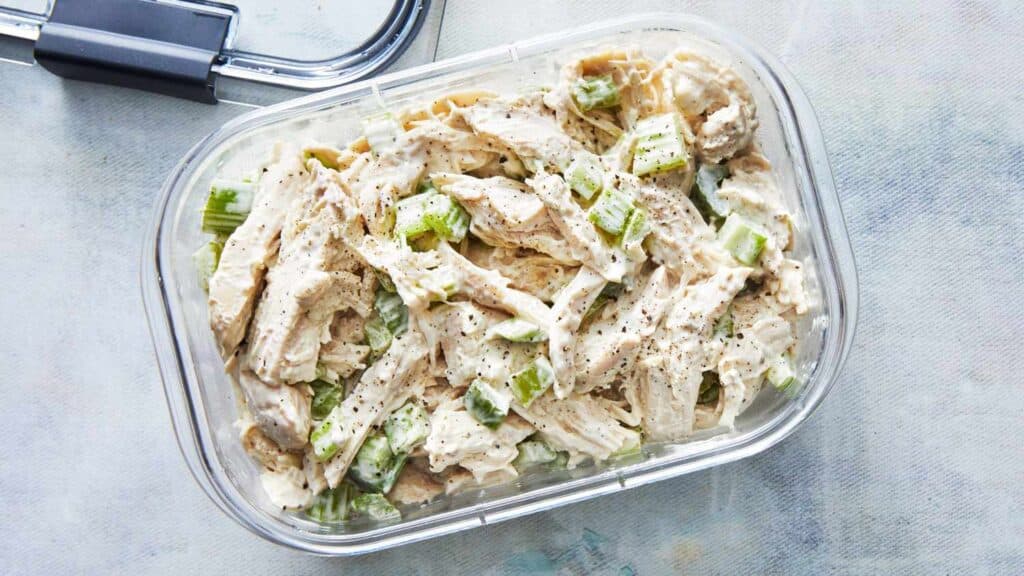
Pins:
x,y
202,400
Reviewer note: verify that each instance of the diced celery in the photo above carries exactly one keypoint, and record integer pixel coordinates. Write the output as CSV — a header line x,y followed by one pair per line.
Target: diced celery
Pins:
x,y
375,506
446,218
533,453
519,330
488,406
331,505
710,387
585,175
595,92
325,158
424,243
377,336
227,206
610,290
407,427
321,438
206,260
372,464
780,373
431,211
532,381
611,210
724,324
659,145
381,132
426,185
392,310
742,238
705,193
637,228
394,471
410,215
326,396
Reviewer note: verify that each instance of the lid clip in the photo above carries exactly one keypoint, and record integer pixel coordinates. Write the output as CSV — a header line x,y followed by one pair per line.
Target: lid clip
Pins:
x,y
165,47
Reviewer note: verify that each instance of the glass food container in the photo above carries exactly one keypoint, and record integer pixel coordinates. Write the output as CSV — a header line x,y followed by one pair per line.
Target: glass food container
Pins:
x,y
203,402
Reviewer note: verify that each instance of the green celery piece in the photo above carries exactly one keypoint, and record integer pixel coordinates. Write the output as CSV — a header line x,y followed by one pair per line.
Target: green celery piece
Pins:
x,y
410,215
519,330
372,463
375,506
426,185
323,447
637,228
485,404
327,161
227,206
659,145
321,373
381,131
331,505
407,428
392,310
585,175
377,336
533,453
595,92
531,382
780,373
611,211
206,260
742,238
705,193
394,471
424,242
326,396
431,211
710,387
446,218
610,290
724,325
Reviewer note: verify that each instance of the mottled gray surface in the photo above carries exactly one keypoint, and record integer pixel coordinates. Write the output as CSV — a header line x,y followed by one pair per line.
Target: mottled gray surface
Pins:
x,y
913,465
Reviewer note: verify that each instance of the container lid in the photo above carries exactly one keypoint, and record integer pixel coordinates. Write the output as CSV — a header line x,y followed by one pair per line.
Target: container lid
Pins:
x,y
182,47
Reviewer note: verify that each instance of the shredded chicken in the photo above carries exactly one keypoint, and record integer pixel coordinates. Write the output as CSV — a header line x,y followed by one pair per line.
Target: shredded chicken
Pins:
x,y
585,242
488,284
457,438
387,380
610,345
715,101
532,272
252,246
507,213
672,360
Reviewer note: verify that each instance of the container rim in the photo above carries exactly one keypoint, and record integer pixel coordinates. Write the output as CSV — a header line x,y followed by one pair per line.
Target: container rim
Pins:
x,y
832,247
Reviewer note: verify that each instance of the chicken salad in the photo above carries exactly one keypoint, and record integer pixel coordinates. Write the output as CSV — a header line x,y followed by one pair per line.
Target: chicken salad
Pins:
x,y
488,285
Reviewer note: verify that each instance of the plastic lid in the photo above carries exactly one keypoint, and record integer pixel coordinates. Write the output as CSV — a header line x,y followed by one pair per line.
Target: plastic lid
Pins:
x,y
303,44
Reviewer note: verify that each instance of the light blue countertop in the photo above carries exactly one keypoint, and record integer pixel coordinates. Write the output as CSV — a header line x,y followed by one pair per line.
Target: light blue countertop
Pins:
x,y
914,464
